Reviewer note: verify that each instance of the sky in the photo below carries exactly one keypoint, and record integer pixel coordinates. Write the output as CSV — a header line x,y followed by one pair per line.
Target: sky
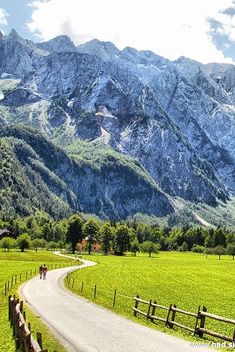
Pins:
x,y
203,30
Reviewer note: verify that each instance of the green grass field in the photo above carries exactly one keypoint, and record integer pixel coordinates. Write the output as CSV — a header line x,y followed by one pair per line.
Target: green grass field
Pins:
x,y
186,279
13,263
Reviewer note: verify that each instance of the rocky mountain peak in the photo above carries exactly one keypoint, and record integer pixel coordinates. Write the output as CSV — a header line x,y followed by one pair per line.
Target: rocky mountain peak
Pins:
x,y
105,50
13,34
61,43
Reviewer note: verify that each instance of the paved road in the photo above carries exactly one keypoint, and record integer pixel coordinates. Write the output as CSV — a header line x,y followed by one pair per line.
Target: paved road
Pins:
x,y
87,327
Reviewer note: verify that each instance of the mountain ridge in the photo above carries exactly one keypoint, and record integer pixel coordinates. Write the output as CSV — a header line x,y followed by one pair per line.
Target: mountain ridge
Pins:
x,y
177,118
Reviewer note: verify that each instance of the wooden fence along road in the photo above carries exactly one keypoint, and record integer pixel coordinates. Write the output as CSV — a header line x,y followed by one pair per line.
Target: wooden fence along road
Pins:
x,y
22,332
170,319
198,328
22,277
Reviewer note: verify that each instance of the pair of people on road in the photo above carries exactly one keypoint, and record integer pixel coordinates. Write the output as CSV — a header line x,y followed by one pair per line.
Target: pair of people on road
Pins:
x,y
43,271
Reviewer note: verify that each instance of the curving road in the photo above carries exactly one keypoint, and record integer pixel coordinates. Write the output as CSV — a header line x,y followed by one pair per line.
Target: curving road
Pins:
x,y
86,327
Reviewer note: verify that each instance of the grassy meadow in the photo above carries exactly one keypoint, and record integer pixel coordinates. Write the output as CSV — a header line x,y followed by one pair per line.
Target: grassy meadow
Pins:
x,y
188,280
13,263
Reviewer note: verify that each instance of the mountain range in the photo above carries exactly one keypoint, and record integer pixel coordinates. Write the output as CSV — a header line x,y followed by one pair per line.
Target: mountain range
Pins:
x,y
117,132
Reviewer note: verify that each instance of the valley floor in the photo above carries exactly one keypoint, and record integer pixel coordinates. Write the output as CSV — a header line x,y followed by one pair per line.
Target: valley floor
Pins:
x,y
87,327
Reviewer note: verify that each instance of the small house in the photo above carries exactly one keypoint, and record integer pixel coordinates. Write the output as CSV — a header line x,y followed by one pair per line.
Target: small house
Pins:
x,y
5,233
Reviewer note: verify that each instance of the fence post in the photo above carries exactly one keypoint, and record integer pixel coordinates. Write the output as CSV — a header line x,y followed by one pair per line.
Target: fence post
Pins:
x,y
136,305
149,308
95,292
10,308
114,297
5,289
12,279
172,318
20,277
154,308
197,318
202,322
39,339
28,343
73,282
82,287
14,314
17,328
21,306
168,315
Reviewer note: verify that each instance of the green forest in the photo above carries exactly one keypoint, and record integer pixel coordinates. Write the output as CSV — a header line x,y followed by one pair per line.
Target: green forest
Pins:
x,y
111,237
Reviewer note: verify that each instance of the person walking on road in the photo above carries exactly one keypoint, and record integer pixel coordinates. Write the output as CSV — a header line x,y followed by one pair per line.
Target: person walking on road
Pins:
x,y
44,271
40,271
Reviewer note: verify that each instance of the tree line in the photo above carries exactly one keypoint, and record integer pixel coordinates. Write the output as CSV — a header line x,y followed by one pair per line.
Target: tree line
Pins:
x,y
116,237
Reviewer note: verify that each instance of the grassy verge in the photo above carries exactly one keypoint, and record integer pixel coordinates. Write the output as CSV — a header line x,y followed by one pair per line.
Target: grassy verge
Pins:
x,y
189,280
15,263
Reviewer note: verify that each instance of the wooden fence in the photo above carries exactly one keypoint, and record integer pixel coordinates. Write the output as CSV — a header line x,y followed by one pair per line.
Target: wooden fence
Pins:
x,y
170,318
79,288
22,332
21,277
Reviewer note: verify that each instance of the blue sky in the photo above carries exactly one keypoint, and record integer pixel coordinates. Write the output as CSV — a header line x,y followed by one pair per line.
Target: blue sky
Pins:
x,y
18,15
201,30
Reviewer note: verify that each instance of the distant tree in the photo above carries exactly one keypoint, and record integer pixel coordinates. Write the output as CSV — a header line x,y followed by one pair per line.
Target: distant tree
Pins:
x,y
105,234
7,243
74,232
156,234
219,237
46,231
194,236
143,232
37,243
198,249
61,245
52,245
230,238
90,231
37,233
231,249
41,217
184,247
31,223
59,232
43,243
23,242
18,226
219,250
122,239
210,238
150,247
208,251
135,246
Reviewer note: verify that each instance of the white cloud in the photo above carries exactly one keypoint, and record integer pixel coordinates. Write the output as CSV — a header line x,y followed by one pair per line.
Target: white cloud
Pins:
x,y
169,28
3,17
228,25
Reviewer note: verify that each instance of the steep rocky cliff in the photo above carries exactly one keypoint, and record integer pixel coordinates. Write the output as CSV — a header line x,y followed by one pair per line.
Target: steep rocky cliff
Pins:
x,y
176,118
92,180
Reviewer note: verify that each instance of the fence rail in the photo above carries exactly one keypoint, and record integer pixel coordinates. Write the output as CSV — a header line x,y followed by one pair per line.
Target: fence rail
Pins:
x,y
28,274
170,319
79,287
22,332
